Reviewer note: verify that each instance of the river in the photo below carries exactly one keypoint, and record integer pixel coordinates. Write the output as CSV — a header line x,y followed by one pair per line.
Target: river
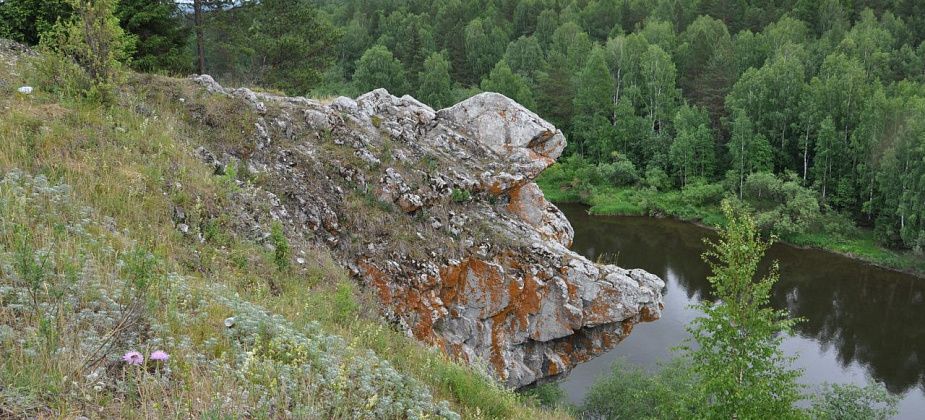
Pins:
x,y
860,321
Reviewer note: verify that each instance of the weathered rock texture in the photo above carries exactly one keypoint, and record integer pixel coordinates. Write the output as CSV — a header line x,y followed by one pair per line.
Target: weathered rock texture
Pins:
x,y
438,212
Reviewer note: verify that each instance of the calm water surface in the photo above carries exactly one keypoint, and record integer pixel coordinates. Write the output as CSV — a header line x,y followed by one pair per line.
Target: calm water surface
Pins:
x,y
861,322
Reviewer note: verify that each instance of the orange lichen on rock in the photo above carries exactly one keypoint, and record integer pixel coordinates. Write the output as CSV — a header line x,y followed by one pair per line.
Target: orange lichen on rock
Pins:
x,y
378,279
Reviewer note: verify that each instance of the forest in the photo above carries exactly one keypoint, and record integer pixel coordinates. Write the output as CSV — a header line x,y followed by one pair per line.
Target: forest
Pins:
x,y
811,112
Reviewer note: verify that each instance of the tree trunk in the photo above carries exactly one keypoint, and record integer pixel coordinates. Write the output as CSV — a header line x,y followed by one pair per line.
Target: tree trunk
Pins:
x,y
825,177
616,97
200,42
806,155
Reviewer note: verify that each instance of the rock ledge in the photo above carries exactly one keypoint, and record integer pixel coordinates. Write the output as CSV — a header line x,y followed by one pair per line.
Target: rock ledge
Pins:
x,y
437,211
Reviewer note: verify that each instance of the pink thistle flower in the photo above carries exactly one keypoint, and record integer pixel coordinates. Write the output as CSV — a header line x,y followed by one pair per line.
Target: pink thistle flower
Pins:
x,y
159,356
133,358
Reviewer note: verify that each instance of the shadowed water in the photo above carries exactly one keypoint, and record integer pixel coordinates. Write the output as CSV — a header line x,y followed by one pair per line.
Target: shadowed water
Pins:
x,y
860,321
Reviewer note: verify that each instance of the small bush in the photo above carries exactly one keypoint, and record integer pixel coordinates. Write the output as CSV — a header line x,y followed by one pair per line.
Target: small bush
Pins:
x,y
59,75
461,195
700,193
345,304
852,402
138,269
657,178
31,266
548,395
92,39
280,247
629,392
620,173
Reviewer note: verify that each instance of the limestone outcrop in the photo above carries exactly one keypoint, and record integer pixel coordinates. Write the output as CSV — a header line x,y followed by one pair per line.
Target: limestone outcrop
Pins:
x,y
437,213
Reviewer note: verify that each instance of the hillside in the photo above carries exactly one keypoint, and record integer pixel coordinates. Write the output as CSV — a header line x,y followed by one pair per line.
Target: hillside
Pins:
x,y
283,252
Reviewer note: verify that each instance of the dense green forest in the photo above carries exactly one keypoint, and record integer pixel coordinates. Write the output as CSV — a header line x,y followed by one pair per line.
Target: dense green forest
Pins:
x,y
812,112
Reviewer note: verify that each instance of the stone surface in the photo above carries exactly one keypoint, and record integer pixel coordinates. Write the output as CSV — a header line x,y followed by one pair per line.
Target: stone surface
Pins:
x,y
437,213
513,132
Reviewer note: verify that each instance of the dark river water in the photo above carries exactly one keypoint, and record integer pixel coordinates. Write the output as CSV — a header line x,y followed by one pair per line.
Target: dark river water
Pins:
x,y
861,322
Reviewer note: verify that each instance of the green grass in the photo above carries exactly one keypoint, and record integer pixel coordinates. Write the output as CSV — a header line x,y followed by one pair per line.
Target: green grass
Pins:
x,y
617,202
556,194
628,201
861,245
125,168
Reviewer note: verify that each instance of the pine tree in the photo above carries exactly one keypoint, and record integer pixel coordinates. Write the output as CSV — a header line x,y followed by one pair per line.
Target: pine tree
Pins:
x,y
291,44
26,20
162,39
93,39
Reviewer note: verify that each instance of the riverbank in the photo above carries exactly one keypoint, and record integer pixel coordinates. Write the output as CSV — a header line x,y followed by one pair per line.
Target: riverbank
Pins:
x,y
858,244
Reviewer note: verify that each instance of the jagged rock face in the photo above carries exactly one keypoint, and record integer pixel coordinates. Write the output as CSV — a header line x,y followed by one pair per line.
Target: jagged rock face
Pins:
x,y
439,214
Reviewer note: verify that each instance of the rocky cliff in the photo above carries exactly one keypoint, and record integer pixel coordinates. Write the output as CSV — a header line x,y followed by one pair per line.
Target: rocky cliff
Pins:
x,y
437,212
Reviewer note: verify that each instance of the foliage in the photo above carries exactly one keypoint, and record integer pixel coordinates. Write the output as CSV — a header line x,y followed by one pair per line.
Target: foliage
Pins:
x,y
93,39
435,85
852,402
280,247
547,395
161,39
782,207
735,346
378,68
692,152
26,20
485,43
504,81
620,172
657,178
629,392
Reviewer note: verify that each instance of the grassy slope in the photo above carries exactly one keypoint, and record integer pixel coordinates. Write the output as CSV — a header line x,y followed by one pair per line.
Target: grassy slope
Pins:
x,y
637,202
119,170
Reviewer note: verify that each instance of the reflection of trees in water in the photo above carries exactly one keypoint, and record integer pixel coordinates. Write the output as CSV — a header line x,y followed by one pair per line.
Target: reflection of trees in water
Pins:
x,y
870,316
